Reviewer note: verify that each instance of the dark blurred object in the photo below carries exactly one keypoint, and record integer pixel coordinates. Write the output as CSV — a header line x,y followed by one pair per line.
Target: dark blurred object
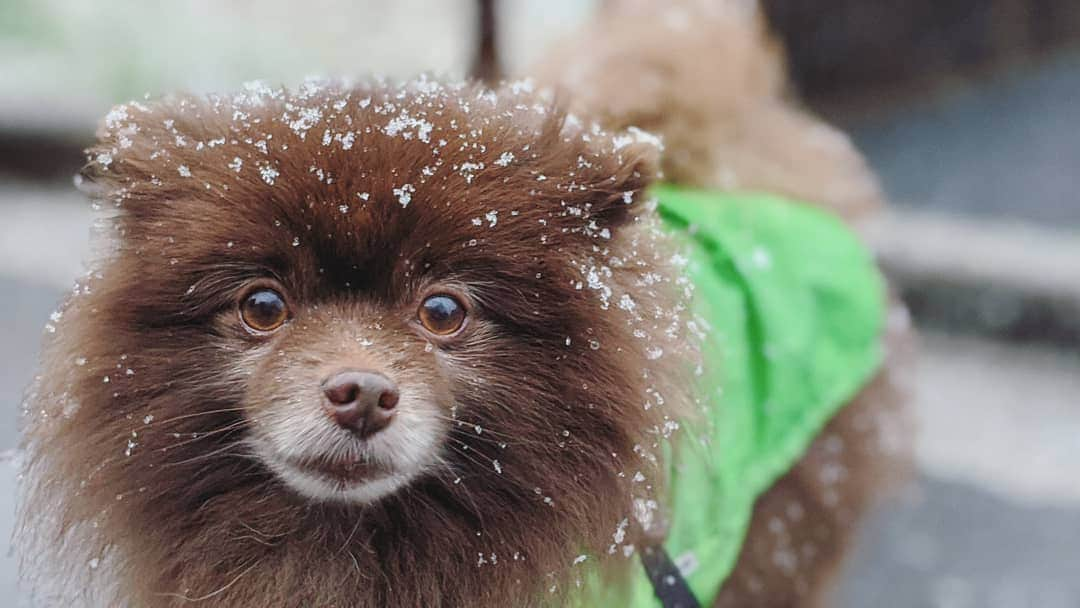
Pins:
x,y
42,156
486,65
843,48
978,308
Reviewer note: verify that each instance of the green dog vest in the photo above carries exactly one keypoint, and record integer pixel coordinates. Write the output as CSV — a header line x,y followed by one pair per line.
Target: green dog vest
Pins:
x,y
795,306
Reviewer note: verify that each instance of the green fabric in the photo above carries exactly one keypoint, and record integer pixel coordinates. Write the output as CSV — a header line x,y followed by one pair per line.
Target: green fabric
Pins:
x,y
795,306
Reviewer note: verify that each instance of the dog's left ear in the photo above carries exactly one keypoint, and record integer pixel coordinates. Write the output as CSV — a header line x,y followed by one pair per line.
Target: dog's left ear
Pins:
x,y
632,164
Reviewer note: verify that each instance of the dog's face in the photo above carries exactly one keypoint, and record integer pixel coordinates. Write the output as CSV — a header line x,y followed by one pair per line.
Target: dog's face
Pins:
x,y
361,288
351,385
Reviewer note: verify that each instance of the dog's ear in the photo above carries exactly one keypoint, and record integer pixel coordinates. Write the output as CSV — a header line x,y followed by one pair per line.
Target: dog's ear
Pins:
x,y
152,156
631,164
121,157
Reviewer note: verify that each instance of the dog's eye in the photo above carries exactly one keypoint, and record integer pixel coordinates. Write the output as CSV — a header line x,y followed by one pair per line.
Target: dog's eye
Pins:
x,y
264,310
442,314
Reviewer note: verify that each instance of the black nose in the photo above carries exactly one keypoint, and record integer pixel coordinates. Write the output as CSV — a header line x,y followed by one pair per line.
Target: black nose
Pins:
x,y
360,401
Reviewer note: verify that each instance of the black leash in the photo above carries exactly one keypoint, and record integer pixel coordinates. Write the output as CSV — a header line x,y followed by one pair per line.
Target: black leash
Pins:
x,y
667,582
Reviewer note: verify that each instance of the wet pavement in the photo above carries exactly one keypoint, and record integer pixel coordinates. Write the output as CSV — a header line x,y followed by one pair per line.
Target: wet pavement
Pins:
x,y
954,545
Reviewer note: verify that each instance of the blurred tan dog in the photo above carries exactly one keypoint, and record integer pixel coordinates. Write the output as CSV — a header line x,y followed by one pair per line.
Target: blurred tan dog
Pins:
x,y
707,77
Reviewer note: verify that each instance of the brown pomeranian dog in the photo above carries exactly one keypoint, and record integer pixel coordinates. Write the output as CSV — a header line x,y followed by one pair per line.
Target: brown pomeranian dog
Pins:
x,y
348,352
389,345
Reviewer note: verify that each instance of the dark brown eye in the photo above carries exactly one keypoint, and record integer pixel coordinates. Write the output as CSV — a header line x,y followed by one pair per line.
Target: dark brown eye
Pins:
x,y
442,314
264,310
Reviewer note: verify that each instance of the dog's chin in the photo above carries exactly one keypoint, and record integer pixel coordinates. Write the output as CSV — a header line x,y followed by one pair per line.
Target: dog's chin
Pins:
x,y
327,480
322,488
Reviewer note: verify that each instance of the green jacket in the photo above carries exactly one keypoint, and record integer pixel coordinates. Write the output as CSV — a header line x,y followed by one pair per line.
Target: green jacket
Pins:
x,y
796,307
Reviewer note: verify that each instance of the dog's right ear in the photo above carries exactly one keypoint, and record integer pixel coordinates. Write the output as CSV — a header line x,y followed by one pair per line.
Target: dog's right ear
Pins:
x,y
113,160
155,156
129,162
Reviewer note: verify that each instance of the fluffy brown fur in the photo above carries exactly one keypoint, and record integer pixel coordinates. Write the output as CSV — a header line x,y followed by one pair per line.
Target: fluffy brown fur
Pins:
x,y
706,76
142,487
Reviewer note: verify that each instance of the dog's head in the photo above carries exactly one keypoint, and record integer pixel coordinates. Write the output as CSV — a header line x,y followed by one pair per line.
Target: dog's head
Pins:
x,y
354,295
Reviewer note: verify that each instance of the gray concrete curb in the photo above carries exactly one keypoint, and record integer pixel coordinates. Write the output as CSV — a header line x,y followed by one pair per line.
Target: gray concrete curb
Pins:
x,y
1010,280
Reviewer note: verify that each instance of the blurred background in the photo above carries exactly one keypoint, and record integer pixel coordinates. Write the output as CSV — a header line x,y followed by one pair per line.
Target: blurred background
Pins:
x,y
968,109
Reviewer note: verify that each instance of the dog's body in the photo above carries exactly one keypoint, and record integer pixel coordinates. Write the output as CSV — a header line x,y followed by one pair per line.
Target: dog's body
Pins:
x,y
181,449
705,75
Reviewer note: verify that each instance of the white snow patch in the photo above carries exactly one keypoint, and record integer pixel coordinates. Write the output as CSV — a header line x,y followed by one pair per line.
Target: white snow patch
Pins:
x,y
404,194
269,174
